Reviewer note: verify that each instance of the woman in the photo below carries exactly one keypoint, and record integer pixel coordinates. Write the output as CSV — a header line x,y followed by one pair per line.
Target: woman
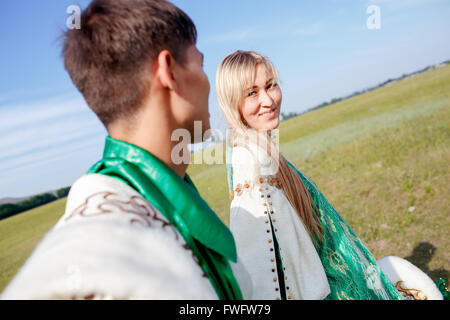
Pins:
x,y
292,241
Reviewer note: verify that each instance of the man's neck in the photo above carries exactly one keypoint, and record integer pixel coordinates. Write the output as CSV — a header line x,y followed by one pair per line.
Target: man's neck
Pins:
x,y
153,133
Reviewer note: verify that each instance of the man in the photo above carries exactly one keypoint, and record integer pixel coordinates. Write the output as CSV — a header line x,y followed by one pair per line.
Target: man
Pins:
x,y
135,227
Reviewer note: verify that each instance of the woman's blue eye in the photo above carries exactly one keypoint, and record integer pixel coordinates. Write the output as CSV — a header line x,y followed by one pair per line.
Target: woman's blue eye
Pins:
x,y
251,93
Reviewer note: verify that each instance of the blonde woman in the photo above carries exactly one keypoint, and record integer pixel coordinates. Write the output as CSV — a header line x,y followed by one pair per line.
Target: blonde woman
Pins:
x,y
291,240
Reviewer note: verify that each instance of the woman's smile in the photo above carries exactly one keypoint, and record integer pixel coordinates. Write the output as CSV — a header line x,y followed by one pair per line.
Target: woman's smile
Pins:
x,y
269,114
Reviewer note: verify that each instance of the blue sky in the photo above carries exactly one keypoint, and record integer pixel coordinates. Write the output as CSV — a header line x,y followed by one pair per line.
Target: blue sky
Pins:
x,y
322,49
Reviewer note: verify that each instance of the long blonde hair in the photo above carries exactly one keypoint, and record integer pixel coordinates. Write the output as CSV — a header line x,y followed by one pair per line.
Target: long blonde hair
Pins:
x,y
234,74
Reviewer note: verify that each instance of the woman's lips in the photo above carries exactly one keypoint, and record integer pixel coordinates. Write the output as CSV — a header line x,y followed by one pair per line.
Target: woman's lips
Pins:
x,y
268,114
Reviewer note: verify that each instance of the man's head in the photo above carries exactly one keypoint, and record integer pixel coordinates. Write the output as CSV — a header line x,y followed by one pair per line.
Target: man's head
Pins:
x,y
116,54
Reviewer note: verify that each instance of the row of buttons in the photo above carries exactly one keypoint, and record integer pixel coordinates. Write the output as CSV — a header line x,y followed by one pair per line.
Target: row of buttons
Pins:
x,y
275,279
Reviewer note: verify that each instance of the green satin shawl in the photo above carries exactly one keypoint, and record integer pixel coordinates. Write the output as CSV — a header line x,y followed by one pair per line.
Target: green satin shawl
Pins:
x,y
180,202
351,269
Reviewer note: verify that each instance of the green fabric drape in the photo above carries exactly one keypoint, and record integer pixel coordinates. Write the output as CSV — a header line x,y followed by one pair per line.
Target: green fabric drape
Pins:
x,y
351,269
441,285
179,201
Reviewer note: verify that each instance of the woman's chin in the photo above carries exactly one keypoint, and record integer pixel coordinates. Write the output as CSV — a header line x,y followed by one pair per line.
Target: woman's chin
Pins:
x,y
271,125
266,125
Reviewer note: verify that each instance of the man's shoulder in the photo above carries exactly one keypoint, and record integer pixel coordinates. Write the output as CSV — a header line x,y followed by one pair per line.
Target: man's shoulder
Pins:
x,y
100,196
94,183
121,245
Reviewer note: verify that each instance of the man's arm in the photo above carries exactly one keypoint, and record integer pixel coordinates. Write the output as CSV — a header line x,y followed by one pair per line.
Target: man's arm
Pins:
x,y
110,244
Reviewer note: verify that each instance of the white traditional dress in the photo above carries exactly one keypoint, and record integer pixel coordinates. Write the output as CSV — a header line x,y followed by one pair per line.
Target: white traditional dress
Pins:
x,y
265,225
258,204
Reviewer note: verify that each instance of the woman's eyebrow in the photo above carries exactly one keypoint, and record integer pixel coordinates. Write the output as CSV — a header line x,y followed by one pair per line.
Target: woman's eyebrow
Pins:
x,y
256,87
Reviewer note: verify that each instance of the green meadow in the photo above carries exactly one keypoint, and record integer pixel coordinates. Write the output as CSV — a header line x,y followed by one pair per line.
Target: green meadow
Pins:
x,y
380,158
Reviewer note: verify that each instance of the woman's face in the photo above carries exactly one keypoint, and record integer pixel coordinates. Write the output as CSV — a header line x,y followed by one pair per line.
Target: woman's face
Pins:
x,y
260,105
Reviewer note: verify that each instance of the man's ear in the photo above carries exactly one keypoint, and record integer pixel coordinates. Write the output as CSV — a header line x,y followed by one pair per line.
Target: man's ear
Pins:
x,y
166,70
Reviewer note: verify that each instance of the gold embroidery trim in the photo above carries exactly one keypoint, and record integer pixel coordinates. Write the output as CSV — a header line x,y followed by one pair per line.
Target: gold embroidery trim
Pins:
x,y
247,185
409,292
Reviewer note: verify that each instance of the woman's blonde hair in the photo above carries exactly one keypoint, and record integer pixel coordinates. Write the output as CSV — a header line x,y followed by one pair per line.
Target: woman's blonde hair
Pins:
x,y
234,75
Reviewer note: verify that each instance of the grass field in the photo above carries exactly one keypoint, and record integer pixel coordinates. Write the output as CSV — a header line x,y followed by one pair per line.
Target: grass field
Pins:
x,y
381,159
20,234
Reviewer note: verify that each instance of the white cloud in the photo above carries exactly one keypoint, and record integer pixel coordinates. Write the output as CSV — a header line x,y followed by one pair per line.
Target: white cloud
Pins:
x,y
20,114
34,133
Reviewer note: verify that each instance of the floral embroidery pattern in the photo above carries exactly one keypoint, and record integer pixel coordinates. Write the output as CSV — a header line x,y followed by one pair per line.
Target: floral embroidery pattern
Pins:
x,y
272,180
106,202
343,296
409,294
337,261
143,214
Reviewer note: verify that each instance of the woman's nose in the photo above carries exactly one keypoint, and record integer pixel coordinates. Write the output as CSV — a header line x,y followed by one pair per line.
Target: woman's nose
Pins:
x,y
265,99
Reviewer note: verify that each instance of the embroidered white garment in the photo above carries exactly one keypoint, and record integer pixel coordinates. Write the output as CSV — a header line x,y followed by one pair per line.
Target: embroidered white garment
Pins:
x,y
413,283
112,243
256,201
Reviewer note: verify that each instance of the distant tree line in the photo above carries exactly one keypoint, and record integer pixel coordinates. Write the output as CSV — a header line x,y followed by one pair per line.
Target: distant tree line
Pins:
x,y
285,116
10,209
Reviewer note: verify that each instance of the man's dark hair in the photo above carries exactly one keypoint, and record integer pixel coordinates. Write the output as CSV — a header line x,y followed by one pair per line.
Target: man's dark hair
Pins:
x,y
110,56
